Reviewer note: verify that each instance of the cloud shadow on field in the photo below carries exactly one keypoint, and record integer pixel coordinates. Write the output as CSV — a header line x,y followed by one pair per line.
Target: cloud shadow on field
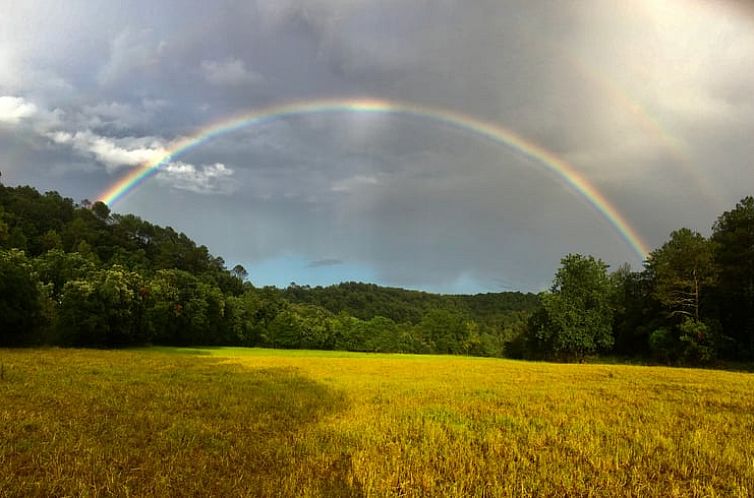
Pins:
x,y
168,424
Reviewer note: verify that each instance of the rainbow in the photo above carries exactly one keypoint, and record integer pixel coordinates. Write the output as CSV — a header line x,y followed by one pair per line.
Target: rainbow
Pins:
x,y
491,131
649,123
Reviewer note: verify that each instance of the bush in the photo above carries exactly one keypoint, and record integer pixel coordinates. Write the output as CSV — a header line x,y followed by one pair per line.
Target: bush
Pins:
x,y
663,345
699,341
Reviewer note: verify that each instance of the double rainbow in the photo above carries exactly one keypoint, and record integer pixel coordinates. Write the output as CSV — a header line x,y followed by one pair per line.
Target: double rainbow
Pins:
x,y
488,130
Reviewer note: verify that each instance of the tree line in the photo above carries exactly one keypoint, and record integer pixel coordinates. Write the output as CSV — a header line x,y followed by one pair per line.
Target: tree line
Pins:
x,y
78,275
692,302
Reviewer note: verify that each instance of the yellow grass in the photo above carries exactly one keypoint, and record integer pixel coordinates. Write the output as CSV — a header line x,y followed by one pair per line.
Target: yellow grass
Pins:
x,y
227,422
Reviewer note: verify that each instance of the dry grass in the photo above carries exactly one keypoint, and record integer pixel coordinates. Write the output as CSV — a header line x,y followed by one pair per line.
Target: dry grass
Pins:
x,y
227,422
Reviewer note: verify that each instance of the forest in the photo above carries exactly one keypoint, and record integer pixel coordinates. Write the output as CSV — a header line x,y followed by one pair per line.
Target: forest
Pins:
x,y
76,274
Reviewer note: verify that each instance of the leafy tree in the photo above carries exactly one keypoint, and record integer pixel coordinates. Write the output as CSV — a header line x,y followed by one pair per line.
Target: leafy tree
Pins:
x,y
78,232
56,267
683,272
315,330
101,210
636,311
284,331
104,310
345,333
691,341
301,326
664,345
733,234
700,342
239,320
683,269
17,239
575,317
382,335
239,272
183,309
50,240
21,299
447,332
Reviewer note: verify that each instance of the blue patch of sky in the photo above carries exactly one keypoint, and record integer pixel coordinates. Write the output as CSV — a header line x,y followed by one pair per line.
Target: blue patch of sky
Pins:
x,y
283,270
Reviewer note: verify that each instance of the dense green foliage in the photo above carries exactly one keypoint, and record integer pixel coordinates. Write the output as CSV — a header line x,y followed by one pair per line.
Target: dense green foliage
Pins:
x,y
20,297
80,275
365,301
693,302
733,235
682,270
575,318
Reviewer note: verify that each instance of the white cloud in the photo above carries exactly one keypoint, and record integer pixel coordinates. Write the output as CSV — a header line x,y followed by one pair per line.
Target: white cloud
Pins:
x,y
112,152
207,179
354,183
14,109
229,72
116,152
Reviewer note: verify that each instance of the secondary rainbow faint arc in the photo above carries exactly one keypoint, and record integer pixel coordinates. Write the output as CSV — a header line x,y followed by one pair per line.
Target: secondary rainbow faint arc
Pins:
x,y
648,122
487,129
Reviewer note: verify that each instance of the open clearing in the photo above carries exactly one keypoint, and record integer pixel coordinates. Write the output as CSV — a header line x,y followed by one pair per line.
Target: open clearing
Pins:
x,y
225,422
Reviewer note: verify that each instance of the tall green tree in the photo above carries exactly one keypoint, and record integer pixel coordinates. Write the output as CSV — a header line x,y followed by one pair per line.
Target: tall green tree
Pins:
x,y
636,311
183,309
683,270
733,234
105,309
575,318
240,273
56,267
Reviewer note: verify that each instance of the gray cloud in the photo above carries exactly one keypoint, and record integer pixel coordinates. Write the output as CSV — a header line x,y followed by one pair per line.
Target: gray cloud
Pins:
x,y
230,72
647,100
319,263
132,52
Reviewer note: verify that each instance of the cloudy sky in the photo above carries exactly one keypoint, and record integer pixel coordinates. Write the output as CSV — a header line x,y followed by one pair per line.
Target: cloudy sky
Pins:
x,y
651,102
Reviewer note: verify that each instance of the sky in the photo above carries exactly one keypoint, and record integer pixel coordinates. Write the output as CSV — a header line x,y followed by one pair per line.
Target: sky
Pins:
x,y
648,105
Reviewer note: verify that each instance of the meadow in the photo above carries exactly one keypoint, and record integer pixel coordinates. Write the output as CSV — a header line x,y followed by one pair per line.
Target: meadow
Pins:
x,y
259,422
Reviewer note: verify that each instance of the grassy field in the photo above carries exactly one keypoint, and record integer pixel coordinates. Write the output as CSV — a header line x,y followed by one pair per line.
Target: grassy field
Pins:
x,y
228,422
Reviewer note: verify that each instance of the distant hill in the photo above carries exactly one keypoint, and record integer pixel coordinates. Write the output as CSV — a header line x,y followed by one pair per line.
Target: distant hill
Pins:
x,y
365,301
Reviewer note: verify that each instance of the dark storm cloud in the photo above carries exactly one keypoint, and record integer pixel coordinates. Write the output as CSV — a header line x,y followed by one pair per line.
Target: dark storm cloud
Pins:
x,y
639,97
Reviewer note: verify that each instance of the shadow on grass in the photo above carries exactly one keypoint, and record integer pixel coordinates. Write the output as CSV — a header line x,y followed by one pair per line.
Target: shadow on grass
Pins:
x,y
130,423
643,361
